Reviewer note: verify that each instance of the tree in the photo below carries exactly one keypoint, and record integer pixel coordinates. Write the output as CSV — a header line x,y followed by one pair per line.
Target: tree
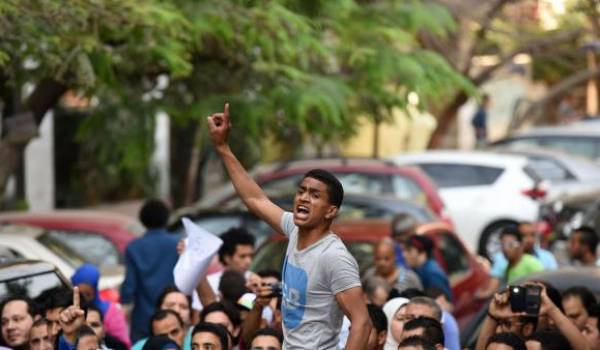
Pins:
x,y
299,71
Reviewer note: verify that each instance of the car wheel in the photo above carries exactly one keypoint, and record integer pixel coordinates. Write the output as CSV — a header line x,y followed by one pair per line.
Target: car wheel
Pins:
x,y
489,243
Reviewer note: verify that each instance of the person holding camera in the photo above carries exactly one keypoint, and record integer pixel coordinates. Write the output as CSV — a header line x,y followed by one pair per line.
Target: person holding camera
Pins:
x,y
321,282
509,309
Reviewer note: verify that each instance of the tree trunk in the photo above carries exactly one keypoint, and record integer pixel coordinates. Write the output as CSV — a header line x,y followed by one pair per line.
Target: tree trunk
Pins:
x,y
445,119
45,96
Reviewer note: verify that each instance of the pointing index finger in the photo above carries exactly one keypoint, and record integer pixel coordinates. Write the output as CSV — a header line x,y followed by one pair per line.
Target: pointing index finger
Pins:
x,y
226,113
76,299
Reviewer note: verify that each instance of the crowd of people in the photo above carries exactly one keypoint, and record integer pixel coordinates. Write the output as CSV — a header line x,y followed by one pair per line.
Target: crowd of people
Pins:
x,y
318,301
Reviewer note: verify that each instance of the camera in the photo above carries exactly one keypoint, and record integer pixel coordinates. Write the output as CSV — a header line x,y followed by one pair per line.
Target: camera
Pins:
x,y
525,298
276,290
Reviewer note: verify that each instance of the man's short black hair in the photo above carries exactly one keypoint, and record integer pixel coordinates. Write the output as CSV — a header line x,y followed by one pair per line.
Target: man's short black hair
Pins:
x,y
377,317
417,342
40,322
269,273
218,330
512,230
432,328
268,332
226,308
589,238
551,340
32,307
410,293
232,286
335,190
509,339
160,315
154,214
168,290
85,331
422,243
57,297
588,300
231,239
92,307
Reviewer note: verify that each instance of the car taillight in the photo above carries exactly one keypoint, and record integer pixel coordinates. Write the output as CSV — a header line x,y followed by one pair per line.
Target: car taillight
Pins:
x,y
535,193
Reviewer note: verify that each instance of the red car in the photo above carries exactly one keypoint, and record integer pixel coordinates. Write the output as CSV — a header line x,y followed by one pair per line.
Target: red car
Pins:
x,y
465,273
99,237
361,176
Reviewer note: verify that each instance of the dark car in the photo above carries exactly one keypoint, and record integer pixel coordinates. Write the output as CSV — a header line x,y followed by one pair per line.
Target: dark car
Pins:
x,y
29,277
358,176
464,271
560,279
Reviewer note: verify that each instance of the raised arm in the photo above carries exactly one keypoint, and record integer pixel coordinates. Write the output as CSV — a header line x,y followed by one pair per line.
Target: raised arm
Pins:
x,y
251,194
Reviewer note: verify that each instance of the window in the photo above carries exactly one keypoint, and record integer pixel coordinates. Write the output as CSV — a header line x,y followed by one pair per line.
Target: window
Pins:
x,y
455,257
548,169
78,247
582,146
460,175
406,189
7,254
32,286
270,256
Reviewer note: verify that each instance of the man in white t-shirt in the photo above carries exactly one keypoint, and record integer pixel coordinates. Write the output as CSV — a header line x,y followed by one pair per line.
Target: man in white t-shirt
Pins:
x,y
321,283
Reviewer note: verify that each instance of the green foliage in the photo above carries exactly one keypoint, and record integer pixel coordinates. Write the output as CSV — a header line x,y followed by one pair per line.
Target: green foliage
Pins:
x,y
298,70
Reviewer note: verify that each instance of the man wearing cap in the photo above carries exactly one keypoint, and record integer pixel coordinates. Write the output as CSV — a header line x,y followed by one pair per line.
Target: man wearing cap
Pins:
x,y
418,257
321,283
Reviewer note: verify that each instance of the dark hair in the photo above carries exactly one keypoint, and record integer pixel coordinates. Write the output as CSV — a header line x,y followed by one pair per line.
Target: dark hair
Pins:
x,y
167,291
160,342
432,328
589,237
218,330
509,339
377,317
231,239
54,297
270,273
160,315
410,293
429,302
335,190
86,331
594,311
551,340
154,214
422,243
92,307
232,286
268,332
511,230
435,292
585,295
39,322
32,308
553,294
231,312
415,341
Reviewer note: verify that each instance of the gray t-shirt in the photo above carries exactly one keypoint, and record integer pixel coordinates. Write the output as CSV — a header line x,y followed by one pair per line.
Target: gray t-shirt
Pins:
x,y
312,277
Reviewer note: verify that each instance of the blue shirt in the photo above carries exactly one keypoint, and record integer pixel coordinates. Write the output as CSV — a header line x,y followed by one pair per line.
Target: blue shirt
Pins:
x,y
149,263
500,264
451,331
187,342
399,256
432,276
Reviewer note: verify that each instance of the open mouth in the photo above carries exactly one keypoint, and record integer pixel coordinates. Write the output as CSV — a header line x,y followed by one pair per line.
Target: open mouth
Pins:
x,y
302,211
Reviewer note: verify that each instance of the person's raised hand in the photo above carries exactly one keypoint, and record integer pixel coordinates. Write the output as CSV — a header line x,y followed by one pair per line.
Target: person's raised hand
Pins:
x,y
219,126
546,304
73,317
500,306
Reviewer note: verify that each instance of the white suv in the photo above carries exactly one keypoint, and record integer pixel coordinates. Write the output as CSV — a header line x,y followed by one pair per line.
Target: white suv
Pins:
x,y
482,191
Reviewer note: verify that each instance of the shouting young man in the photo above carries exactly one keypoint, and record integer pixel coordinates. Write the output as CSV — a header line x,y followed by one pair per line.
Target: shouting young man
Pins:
x,y
320,277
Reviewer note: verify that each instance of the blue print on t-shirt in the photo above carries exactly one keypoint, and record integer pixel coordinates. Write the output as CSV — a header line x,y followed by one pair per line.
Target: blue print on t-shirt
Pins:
x,y
295,281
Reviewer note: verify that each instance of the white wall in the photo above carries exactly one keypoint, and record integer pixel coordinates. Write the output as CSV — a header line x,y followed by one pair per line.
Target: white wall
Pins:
x,y
39,167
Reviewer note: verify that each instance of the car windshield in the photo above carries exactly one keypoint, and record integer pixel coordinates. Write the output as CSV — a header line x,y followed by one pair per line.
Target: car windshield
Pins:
x,y
57,245
31,286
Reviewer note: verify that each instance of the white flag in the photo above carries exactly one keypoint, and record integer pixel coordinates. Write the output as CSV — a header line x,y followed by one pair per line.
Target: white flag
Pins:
x,y
201,247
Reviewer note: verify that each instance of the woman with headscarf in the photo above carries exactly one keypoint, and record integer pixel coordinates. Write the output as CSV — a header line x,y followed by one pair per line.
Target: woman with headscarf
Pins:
x,y
86,277
393,311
